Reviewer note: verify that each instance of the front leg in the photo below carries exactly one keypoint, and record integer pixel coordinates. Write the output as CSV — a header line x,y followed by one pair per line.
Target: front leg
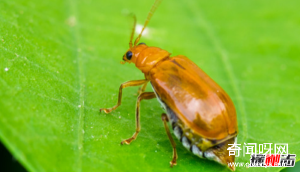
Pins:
x,y
124,85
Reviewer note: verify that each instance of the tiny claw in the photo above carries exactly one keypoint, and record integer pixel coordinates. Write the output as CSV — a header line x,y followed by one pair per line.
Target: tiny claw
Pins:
x,y
172,163
125,141
105,110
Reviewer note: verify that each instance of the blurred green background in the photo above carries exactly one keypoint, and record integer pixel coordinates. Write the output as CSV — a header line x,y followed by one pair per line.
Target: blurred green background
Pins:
x,y
59,63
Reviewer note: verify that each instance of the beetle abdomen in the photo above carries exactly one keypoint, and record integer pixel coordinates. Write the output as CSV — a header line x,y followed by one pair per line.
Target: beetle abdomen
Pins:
x,y
193,142
178,131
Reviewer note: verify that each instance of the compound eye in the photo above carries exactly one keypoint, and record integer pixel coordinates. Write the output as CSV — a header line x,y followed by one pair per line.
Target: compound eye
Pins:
x,y
128,55
142,43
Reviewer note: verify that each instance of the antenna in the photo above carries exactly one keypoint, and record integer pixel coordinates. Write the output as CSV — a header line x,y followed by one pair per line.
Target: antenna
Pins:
x,y
133,29
153,8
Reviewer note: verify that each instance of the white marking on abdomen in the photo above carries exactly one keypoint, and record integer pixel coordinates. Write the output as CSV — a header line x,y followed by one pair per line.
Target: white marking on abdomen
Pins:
x,y
197,151
186,143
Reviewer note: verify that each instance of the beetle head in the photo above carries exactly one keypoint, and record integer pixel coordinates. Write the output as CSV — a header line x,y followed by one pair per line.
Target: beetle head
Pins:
x,y
144,57
133,52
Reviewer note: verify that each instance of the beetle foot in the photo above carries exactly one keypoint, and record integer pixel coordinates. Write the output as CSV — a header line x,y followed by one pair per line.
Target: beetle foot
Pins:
x,y
173,162
106,110
127,141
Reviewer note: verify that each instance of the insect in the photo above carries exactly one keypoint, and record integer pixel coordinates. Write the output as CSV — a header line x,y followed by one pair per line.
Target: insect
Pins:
x,y
201,114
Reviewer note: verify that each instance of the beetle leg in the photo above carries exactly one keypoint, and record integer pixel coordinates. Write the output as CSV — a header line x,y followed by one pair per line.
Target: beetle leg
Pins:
x,y
144,95
142,89
165,119
124,85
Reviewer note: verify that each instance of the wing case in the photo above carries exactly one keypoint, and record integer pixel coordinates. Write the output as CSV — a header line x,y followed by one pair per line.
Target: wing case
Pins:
x,y
196,99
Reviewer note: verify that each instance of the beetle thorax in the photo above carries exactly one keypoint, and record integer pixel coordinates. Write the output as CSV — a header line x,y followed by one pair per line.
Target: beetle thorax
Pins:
x,y
145,58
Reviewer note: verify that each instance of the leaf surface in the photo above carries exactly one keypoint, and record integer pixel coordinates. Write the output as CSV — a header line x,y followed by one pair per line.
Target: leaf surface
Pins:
x,y
59,63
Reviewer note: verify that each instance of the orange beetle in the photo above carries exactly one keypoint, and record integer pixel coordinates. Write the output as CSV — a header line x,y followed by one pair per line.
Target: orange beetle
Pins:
x,y
200,112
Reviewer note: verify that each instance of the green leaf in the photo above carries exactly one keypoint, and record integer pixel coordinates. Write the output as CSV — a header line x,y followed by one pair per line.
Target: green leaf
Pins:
x,y
59,63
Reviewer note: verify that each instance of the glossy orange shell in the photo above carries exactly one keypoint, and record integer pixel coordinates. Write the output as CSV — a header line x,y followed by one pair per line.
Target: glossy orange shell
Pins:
x,y
198,101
